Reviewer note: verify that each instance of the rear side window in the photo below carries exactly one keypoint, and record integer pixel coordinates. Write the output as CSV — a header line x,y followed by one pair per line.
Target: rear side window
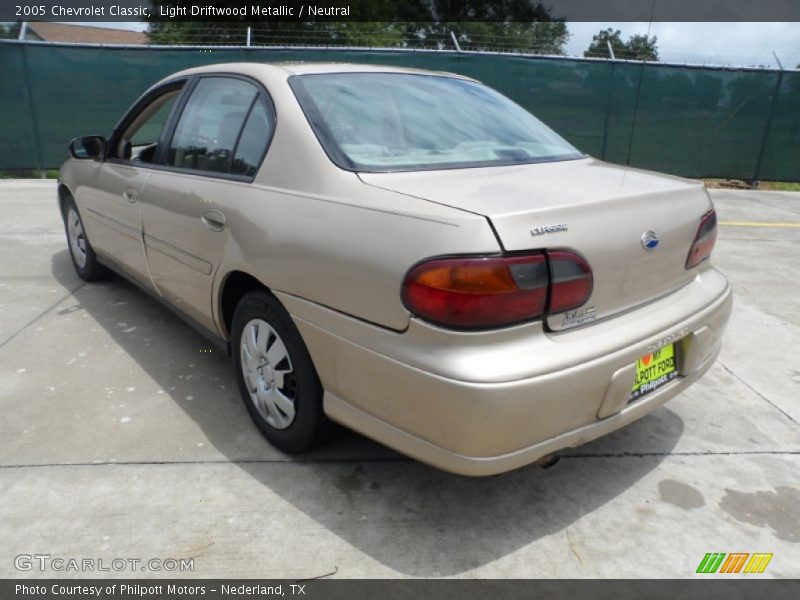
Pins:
x,y
206,135
253,141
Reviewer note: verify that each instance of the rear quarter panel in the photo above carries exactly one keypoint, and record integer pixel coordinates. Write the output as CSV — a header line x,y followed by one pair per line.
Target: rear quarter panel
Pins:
x,y
345,255
310,229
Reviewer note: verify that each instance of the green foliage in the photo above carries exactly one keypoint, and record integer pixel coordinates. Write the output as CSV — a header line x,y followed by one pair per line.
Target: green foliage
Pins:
x,y
638,47
28,174
783,186
643,47
9,30
539,37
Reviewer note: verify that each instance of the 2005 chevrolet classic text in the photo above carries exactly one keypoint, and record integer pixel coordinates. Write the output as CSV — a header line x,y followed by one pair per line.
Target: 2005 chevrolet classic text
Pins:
x,y
407,253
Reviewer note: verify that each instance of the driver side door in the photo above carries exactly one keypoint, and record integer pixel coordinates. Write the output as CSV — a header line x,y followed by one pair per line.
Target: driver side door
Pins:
x,y
111,202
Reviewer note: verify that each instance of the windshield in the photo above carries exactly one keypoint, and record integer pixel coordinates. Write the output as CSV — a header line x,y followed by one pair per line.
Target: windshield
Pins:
x,y
382,122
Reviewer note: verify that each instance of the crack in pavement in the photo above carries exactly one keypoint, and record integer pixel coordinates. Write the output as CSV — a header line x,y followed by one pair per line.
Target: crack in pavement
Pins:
x,y
380,460
572,547
759,394
695,453
40,315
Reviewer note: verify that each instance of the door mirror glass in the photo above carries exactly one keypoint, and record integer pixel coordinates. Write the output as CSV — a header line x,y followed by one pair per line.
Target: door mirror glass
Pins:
x,y
90,146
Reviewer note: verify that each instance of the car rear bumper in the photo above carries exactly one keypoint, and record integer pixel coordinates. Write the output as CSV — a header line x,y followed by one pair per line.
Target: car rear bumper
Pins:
x,y
484,403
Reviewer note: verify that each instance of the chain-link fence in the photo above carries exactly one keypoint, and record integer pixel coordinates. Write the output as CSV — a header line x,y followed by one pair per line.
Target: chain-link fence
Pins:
x,y
691,121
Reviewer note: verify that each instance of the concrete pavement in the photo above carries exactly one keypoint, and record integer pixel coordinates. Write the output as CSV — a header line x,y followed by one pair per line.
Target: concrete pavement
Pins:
x,y
123,436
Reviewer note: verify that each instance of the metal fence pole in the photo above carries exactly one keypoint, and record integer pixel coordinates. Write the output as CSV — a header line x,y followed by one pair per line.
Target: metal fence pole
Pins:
x,y
768,124
607,118
455,41
635,114
610,50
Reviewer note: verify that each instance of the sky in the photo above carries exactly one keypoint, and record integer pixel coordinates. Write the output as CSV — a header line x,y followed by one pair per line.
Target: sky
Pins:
x,y
738,44
741,44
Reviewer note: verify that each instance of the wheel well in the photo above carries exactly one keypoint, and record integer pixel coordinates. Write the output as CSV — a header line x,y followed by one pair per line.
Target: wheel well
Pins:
x,y
63,194
237,284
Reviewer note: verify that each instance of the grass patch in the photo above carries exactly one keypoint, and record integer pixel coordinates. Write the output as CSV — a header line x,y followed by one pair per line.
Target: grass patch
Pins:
x,y
779,186
29,174
740,184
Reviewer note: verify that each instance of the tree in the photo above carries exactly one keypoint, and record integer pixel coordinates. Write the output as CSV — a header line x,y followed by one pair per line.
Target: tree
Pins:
x,y
9,30
601,41
643,47
638,47
541,37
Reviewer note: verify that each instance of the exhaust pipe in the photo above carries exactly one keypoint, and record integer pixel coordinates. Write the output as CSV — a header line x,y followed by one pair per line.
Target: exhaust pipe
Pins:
x,y
547,461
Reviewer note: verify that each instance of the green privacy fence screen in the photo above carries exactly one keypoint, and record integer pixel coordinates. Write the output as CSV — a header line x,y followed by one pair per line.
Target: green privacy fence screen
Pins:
x,y
691,121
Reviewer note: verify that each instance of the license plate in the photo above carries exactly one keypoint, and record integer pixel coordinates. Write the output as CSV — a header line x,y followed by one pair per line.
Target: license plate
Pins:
x,y
653,371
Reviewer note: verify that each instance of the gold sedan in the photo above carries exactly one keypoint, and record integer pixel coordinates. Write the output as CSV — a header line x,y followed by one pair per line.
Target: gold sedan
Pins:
x,y
407,253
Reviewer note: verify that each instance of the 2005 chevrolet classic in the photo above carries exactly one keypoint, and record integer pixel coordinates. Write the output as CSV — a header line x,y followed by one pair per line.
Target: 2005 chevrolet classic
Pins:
x,y
407,253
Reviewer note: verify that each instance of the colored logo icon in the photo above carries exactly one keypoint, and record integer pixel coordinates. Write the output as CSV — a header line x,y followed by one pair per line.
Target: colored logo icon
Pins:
x,y
734,562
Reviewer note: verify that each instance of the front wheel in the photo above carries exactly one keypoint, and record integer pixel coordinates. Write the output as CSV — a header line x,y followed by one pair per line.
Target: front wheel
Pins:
x,y
275,374
80,250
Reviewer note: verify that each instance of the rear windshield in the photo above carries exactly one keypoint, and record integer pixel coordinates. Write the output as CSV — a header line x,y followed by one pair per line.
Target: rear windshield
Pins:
x,y
381,122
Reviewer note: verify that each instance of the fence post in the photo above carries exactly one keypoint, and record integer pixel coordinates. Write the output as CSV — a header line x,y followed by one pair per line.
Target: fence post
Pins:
x,y
768,125
607,118
635,114
455,41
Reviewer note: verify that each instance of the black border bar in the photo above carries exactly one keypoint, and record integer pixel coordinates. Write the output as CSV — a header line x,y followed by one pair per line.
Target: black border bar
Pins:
x,y
404,10
707,587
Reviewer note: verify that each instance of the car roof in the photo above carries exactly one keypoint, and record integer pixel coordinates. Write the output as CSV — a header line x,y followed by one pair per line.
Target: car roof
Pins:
x,y
304,68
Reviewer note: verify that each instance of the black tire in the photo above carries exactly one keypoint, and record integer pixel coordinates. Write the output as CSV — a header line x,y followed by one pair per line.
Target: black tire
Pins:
x,y
91,270
309,426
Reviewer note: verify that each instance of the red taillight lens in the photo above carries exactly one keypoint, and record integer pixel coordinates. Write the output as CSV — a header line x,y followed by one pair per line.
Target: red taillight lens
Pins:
x,y
704,240
478,292
470,292
571,281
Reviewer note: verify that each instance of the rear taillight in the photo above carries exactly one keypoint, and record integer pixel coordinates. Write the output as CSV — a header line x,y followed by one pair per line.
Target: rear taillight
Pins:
x,y
704,240
483,292
571,279
477,292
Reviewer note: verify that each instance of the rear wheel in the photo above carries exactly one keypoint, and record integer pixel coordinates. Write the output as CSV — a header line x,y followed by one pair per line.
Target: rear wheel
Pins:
x,y
80,250
276,377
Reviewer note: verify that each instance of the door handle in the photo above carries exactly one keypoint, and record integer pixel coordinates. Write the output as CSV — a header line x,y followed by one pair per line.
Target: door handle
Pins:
x,y
214,220
130,194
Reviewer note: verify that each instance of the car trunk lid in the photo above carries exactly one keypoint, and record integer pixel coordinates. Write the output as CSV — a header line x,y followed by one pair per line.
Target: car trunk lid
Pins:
x,y
599,210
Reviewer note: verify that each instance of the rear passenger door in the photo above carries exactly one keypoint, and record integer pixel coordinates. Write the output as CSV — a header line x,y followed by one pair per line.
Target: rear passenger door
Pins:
x,y
218,143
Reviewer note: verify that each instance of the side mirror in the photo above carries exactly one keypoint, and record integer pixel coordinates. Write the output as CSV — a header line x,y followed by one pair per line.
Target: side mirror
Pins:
x,y
90,146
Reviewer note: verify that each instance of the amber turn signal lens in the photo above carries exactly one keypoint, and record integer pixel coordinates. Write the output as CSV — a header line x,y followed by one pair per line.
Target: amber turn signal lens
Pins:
x,y
469,292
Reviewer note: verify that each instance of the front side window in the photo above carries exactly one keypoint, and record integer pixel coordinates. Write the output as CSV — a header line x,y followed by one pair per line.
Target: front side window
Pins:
x,y
139,141
404,122
206,135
